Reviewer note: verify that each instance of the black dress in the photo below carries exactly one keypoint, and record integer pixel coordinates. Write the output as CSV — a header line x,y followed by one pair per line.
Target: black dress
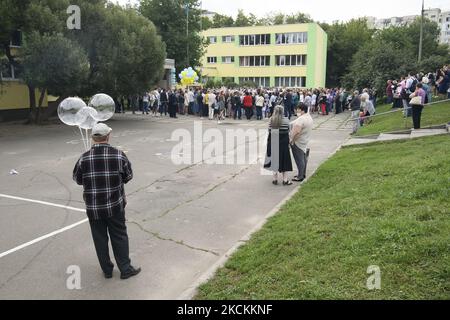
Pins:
x,y
282,163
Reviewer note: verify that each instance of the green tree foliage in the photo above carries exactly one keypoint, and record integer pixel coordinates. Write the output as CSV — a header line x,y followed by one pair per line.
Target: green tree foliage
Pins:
x,y
393,53
206,23
55,64
222,21
242,20
126,55
298,18
344,41
169,17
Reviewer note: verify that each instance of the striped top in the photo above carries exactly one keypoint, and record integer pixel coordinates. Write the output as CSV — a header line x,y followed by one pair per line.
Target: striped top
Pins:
x,y
284,128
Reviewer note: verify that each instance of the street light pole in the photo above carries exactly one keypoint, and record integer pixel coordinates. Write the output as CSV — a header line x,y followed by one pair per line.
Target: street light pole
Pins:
x,y
187,34
421,32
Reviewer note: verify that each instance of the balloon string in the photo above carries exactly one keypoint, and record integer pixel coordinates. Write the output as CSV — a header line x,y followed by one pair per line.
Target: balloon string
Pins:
x,y
88,141
82,138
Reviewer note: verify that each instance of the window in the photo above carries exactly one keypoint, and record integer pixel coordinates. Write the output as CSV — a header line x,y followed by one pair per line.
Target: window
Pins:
x,y
254,61
290,60
291,82
7,70
16,39
212,59
212,40
291,38
227,59
254,40
228,39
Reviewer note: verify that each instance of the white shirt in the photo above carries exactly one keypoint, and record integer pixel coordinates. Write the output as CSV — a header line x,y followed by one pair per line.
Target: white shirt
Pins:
x,y
211,99
259,101
304,125
191,96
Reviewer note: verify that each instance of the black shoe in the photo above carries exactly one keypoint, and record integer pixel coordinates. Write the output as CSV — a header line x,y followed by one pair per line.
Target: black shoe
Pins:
x,y
130,273
108,275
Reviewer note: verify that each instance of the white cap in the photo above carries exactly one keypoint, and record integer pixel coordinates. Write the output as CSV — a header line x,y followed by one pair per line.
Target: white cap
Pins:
x,y
101,129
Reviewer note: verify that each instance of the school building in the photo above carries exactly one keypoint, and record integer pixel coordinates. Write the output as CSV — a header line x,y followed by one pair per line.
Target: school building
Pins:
x,y
291,55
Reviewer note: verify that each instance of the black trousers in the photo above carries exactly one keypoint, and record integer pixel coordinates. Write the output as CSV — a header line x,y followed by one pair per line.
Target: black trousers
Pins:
x,y
117,230
416,114
249,113
300,160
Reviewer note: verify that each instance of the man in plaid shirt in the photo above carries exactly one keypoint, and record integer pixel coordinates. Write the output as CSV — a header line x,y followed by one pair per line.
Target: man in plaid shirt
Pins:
x,y
103,171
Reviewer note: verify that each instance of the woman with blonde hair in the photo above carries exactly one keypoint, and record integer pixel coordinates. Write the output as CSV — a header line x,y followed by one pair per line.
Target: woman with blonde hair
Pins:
x,y
278,156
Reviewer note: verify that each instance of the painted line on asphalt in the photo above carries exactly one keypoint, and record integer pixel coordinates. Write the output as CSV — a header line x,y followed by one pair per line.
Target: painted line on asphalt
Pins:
x,y
49,235
42,202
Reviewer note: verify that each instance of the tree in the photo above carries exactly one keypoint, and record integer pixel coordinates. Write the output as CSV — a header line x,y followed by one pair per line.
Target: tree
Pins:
x,y
390,56
42,16
169,17
344,41
222,21
125,53
126,56
242,20
206,23
298,18
55,64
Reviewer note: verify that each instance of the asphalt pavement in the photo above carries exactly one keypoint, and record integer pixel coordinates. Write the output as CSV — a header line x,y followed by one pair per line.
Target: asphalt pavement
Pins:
x,y
182,219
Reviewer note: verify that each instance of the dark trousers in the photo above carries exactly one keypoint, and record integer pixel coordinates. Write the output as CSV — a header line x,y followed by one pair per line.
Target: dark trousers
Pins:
x,y
163,108
287,111
259,114
205,110
416,115
248,113
300,160
237,112
117,230
172,111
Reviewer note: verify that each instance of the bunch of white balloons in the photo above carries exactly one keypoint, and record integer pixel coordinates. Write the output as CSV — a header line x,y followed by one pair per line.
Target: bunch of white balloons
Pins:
x,y
75,112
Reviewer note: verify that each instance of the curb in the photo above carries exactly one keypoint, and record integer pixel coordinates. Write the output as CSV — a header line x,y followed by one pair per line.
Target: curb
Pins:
x,y
191,291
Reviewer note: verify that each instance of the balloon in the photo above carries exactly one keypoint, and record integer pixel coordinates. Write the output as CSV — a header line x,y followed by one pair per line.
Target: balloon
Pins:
x,y
68,109
104,105
86,118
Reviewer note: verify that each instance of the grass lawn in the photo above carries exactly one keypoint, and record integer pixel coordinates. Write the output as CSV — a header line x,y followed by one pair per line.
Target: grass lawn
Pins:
x,y
433,115
385,204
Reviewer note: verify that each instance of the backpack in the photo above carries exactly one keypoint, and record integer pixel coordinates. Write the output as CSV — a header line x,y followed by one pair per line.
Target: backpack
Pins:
x,y
413,85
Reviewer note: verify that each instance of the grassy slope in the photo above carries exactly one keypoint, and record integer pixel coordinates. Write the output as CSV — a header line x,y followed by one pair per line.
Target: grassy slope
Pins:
x,y
385,204
432,115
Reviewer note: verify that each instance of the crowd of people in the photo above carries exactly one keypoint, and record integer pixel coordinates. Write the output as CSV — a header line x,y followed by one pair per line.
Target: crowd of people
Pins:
x,y
246,103
250,103
414,91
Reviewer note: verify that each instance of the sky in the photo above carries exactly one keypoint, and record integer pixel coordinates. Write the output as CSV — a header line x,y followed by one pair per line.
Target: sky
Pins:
x,y
322,10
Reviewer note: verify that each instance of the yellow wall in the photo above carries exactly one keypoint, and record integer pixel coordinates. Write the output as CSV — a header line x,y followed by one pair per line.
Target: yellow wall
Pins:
x,y
220,49
14,95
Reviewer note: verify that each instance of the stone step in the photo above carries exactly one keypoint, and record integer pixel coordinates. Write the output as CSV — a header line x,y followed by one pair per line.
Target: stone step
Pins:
x,y
427,132
390,136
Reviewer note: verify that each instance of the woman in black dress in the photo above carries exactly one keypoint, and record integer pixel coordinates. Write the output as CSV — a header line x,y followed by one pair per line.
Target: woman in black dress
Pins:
x,y
278,156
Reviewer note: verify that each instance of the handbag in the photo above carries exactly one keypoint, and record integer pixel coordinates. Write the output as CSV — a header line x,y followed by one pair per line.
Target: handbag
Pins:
x,y
416,101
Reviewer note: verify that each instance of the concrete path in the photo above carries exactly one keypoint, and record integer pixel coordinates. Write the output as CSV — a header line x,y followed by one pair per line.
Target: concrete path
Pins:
x,y
396,136
181,218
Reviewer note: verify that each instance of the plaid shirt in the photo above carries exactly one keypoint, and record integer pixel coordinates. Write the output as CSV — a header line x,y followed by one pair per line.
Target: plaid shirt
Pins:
x,y
102,171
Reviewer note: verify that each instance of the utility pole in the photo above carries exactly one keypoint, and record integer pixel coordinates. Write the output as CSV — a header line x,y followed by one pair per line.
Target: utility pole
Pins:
x,y
187,34
421,32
